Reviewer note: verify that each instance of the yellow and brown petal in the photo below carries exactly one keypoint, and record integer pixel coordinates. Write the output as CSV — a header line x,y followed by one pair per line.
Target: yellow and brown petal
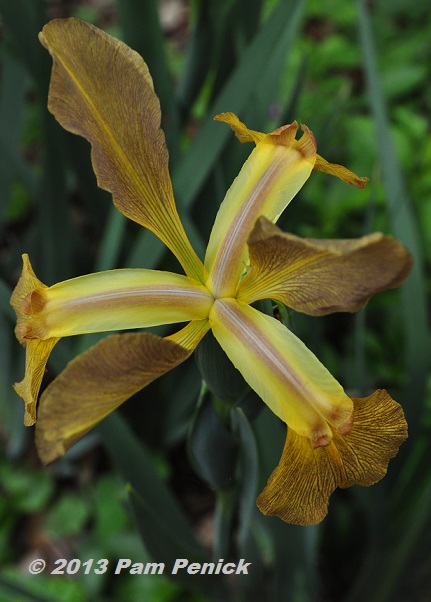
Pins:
x,y
102,90
339,171
244,134
272,175
319,277
37,351
95,383
299,488
284,373
36,357
101,302
113,300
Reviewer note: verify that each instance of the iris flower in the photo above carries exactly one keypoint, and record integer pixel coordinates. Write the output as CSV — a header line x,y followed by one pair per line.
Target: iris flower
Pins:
x,y
102,90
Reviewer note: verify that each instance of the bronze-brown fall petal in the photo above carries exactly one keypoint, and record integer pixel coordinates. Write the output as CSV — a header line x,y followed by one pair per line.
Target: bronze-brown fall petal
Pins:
x,y
102,90
319,277
299,488
95,383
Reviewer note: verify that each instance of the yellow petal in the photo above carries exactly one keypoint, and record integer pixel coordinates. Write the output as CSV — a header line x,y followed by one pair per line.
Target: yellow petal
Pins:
x,y
27,284
117,299
339,171
37,352
284,373
242,132
299,488
36,356
275,171
189,336
113,300
96,383
102,90
319,277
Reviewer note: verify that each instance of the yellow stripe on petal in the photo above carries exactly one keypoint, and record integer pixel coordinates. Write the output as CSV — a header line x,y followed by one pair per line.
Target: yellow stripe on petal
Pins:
x,y
275,171
299,488
102,90
279,367
319,277
111,300
96,383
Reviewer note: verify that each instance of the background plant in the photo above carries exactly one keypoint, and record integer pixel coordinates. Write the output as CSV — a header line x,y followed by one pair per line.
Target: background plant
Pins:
x,y
358,76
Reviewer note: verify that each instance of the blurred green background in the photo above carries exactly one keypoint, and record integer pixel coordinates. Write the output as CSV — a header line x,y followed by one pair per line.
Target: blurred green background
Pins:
x,y
176,472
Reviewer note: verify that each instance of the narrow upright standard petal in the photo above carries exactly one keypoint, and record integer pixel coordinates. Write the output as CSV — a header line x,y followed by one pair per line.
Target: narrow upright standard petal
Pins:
x,y
102,90
283,372
275,171
299,488
95,383
319,277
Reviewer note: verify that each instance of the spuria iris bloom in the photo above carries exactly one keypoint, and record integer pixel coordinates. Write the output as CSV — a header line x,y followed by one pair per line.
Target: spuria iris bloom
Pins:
x,y
102,90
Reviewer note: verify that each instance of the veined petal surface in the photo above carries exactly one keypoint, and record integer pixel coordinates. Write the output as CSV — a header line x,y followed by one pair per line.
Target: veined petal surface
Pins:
x,y
95,383
114,300
283,372
299,488
272,175
319,277
339,171
102,90
189,336
36,357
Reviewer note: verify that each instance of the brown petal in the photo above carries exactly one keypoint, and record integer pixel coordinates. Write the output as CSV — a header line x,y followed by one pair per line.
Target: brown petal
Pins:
x,y
378,430
102,90
299,488
96,383
319,277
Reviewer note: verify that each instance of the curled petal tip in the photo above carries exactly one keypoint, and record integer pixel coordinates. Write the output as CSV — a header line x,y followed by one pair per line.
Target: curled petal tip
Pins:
x,y
242,132
341,172
30,406
306,145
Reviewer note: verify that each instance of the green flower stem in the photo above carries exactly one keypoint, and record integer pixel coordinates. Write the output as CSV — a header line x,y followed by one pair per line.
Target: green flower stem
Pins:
x,y
224,512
